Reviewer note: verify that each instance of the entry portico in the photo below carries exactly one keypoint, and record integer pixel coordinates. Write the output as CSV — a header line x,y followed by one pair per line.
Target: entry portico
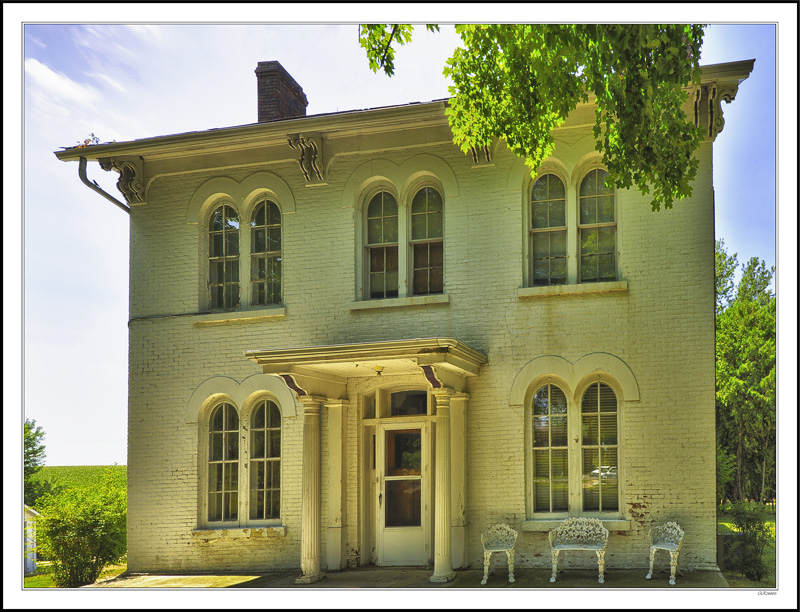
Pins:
x,y
412,490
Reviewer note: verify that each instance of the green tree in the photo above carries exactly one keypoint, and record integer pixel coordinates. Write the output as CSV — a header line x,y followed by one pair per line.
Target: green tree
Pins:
x,y
754,286
724,267
83,530
517,82
33,460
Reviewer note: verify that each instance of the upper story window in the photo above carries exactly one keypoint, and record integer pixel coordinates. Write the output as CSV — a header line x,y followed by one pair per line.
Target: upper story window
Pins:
x,y
382,243
573,454
427,242
223,258
572,230
265,254
597,228
548,233
243,479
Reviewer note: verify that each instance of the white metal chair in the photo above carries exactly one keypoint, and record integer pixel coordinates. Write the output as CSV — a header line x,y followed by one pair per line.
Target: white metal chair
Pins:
x,y
498,538
669,537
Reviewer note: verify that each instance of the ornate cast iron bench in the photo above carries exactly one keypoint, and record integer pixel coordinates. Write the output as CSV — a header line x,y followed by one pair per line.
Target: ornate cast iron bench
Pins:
x,y
579,534
498,538
669,537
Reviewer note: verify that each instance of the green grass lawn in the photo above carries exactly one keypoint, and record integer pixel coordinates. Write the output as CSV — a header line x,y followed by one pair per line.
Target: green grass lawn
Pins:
x,y
736,579
43,578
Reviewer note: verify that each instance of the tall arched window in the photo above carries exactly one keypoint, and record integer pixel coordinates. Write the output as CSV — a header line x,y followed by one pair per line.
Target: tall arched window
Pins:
x,y
223,258
550,455
597,229
265,461
427,212
266,254
599,446
382,246
223,464
548,233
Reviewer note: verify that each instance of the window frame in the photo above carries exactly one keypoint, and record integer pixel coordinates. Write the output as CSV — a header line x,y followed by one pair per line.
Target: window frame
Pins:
x,y
548,230
266,254
427,240
245,415
574,398
596,225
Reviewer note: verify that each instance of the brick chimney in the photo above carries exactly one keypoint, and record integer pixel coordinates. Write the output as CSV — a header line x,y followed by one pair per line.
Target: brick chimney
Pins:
x,y
279,95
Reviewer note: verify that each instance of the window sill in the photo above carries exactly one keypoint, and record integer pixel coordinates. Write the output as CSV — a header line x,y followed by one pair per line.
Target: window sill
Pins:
x,y
416,300
578,289
239,532
550,524
240,316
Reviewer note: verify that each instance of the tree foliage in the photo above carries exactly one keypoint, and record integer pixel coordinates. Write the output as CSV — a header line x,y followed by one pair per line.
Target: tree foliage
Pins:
x,y
518,82
33,460
82,530
746,377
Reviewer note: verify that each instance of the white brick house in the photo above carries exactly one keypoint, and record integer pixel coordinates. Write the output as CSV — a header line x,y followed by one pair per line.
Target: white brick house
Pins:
x,y
350,343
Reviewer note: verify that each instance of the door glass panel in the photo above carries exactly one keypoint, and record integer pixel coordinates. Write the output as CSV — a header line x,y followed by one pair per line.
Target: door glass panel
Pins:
x,y
403,503
404,452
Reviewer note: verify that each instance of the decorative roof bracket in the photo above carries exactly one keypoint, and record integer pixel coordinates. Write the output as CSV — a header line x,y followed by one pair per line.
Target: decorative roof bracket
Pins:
x,y
309,144
130,174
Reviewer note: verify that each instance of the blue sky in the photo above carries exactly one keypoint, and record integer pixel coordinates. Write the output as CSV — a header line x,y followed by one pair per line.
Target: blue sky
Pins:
x,y
129,81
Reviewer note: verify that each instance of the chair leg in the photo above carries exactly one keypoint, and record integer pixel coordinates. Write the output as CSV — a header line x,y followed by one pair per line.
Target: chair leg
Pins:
x,y
487,557
510,555
652,558
601,565
673,565
554,557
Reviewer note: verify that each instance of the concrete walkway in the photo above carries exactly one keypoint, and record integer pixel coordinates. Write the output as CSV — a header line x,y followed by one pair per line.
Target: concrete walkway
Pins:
x,y
418,578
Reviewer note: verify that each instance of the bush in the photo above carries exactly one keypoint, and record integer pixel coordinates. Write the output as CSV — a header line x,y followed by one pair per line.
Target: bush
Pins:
x,y
82,530
752,537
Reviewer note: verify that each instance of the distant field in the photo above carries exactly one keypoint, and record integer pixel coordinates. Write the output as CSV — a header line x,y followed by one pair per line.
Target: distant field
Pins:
x,y
80,476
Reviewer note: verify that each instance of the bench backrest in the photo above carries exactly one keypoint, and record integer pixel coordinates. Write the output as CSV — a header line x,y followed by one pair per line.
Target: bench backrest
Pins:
x,y
581,532
500,535
668,533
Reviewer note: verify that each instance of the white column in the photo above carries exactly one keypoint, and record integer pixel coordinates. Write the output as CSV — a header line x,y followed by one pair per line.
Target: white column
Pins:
x,y
442,554
458,478
334,479
310,534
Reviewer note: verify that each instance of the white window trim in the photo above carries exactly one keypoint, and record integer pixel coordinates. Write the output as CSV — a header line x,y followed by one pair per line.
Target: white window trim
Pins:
x,y
243,521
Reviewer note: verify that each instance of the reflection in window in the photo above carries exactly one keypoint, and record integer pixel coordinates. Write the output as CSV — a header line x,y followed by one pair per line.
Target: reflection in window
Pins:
x,y
599,446
382,246
550,472
223,464
265,461
223,258
265,247
548,232
404,403
427,212
597,233
403,483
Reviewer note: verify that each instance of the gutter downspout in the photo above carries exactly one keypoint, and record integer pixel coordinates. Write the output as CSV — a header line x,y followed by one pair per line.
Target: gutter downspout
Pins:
x,y
95,187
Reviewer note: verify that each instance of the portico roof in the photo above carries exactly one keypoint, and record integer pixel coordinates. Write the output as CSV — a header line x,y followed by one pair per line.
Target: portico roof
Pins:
x,y
371,358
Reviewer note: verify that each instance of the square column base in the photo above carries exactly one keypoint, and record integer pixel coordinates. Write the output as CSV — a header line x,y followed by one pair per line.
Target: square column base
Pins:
x,y
309,578
443,577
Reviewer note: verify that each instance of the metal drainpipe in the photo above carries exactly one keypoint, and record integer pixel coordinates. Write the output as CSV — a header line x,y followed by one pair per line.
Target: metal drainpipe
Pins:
x,y
95,187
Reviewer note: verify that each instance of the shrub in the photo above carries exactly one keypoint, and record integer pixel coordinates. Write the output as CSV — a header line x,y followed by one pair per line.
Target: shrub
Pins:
x,y
82,530
751,539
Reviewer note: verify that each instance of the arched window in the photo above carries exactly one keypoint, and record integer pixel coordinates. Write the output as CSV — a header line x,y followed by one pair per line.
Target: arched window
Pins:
x,y
597,229
550,457
223,258
266,254
223,464
548,233
427,212
599,445
382,246
265,461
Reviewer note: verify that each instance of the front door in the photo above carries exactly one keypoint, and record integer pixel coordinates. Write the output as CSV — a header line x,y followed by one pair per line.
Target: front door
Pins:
x,y
403,500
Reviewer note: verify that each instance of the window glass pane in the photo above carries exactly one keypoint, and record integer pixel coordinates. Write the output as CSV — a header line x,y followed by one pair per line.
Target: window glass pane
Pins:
x,y
541,464
376,260
390,229
540,401
259,241
591,463
435,203
215,477
541,431
389,205
541,272
274,217
558,431
216,224
274,444
374,231
420,256
601,182
375,208
605,209
558,271
560,495
405,403
541,244
217,419
232,510
539,215
588,241
558,401
259,445
259,216
215,447
606,239
558,243
436,281
231,476
231,271
589,429
434,225
608,399
231,244
606,268
589,184
435,251
419,203
608,462
403,503
391,284
588,268
540,189
403,453
559,459
231,219
376,285
541,497
557,214
556,188
274,480
608,429
231,418
273,415
591,495
232,446
420,281
418,230
215,245
609,495
274,243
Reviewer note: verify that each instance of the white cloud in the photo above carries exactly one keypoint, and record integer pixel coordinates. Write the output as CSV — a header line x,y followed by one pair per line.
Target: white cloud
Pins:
x,y
43,82
104,78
